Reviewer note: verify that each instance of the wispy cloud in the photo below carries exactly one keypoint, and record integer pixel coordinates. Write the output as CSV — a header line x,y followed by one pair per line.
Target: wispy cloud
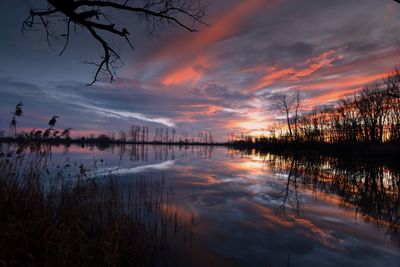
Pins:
x,y
312,65
115,113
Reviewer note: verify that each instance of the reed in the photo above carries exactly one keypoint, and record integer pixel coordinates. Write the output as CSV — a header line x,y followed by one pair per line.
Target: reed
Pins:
x,y
54,218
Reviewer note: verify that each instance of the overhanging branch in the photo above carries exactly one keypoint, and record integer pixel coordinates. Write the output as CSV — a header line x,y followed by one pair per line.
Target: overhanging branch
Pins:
x,y
90,15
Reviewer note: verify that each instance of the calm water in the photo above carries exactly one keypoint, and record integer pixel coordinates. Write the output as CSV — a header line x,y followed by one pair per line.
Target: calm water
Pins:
x,y
264,210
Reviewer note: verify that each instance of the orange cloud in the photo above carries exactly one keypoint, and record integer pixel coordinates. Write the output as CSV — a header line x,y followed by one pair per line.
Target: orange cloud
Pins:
x,y
204,108
188,53
325,98
273,77
317,63
227,25
193,111
339,88
342,83
186,74
290,74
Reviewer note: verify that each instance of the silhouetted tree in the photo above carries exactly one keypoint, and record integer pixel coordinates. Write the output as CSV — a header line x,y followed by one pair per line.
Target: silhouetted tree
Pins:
x,y
122,136
288,104
371,116
392,82
94,17
173,135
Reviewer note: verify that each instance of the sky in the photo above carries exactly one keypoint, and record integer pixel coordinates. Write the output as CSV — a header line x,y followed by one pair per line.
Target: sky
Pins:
x,y
218,79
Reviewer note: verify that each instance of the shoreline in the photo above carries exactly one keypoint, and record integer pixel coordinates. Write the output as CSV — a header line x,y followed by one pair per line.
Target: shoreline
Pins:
x,y
348,150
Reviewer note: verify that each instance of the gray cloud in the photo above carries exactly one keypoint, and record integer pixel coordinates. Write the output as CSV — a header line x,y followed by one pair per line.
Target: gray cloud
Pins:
x,y
269,40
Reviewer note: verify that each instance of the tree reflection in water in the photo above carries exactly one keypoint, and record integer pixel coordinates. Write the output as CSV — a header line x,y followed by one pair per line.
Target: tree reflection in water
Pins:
x,y
370,186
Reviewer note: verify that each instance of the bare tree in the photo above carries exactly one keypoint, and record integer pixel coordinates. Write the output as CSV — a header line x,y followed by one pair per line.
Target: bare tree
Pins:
x,y
370,116
297,98
392,82
94,17
173,135
122,136
372,107
288,104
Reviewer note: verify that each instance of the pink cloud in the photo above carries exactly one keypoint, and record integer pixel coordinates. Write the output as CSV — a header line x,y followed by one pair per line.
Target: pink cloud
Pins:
x,y
308,68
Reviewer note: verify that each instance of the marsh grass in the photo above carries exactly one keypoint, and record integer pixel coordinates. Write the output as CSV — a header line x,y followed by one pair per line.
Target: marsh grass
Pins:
x,y
49,218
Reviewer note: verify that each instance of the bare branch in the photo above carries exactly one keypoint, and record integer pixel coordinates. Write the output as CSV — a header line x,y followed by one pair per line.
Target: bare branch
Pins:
x,y
90,15
66,38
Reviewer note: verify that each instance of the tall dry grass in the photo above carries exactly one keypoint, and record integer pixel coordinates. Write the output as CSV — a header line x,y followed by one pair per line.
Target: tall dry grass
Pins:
x,y
48,218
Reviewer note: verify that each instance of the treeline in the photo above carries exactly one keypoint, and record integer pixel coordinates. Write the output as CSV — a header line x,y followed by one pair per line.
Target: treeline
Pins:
x,y
137,134
371,116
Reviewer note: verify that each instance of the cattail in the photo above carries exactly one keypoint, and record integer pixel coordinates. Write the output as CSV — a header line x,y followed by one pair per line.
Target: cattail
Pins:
x,y
17,113
53,121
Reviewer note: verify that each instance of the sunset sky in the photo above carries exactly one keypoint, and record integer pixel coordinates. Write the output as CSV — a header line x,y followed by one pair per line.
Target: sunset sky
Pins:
x,y
217,79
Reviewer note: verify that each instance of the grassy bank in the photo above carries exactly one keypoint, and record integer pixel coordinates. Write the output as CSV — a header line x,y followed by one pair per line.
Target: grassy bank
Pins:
x,y
49,218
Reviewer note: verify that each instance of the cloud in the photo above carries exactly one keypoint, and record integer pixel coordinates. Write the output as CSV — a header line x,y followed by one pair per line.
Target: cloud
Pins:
x,y
218,79
114,113
308,68
184,58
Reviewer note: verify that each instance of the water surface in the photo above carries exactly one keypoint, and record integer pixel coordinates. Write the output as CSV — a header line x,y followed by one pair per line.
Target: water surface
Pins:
x,y
263,210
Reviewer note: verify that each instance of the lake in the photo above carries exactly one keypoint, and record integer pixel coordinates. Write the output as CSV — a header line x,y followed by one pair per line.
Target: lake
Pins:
x,y
249,209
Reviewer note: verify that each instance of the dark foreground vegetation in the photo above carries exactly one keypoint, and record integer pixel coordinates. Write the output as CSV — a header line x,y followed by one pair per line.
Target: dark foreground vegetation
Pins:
x,y
53,217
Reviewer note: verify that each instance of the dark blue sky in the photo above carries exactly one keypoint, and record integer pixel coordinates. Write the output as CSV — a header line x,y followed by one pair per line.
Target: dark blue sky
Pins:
x,y
217,79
